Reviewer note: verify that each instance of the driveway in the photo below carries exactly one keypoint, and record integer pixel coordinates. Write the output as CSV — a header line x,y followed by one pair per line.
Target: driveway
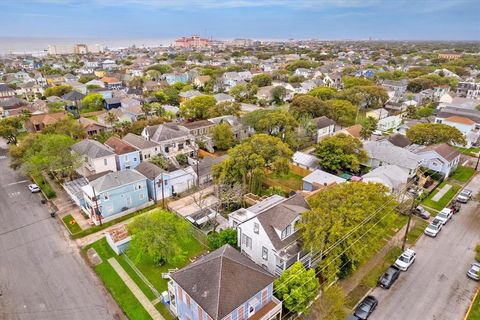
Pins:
x,y
436,287
42,274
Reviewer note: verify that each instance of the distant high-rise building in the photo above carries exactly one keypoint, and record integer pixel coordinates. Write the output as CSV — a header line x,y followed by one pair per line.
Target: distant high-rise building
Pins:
x,y
193,42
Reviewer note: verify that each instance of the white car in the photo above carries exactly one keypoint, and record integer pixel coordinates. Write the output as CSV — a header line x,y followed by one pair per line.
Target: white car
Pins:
x,y
33,188
405,260
444,215
464,196
433,228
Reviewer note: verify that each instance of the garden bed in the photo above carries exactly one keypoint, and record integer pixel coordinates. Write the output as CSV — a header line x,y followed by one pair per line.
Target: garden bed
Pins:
x,y
43,184
71,224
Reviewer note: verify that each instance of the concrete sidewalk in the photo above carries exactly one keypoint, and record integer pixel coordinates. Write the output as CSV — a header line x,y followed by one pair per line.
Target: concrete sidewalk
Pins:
x,y
147,304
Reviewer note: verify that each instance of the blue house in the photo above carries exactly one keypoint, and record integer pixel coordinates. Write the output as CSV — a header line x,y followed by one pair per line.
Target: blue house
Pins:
x,y
127,157
172,78
115,194
224,284
112,103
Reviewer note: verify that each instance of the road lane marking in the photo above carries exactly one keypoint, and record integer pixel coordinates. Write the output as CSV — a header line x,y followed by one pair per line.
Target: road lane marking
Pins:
x,y
18,182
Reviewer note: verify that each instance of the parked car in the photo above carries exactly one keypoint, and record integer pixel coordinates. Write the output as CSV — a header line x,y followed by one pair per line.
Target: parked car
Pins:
x,y
464,196
377,132
366,307
455,207
33,188
444,215
406,259
473,272
421,212
433,228
389,277
353,317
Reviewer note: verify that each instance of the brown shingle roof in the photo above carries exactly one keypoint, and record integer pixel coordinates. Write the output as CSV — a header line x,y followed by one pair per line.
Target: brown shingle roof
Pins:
x,y
399,140
447,152
459,119
119,146
222,281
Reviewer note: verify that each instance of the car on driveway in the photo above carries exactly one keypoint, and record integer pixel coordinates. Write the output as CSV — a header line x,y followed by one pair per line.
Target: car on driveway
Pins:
x,y
433,228
421,212
473,272
33,188
389,277
444,215
406,259
366,307
464,196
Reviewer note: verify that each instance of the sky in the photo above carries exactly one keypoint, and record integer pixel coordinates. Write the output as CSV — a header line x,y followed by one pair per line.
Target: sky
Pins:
x,y
256,19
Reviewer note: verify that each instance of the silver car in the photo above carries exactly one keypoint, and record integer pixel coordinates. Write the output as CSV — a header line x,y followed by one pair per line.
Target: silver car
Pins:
x,y
433,228
473,272
464,196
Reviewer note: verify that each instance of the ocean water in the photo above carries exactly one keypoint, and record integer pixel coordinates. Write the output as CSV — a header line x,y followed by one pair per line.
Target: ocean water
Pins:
x,y
21,45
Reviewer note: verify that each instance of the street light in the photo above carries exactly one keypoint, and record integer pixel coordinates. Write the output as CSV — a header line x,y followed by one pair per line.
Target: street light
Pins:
x,y
414,200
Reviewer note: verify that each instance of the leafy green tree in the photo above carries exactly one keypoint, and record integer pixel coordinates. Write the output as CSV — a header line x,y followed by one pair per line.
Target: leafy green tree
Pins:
x,y
340,152
92,102
278,94
323,93
85,78
247,161
350,82
272,121
197,108
295,79
182,159
161,96
219,239
420,84
223,136
342,112
67,126
161,68
296,287
157,109
368,126
363,211
303,105
225,108
160,161
110,118
160,236
57,91
433,133
91,87
10,128
307,64
331,304
262,80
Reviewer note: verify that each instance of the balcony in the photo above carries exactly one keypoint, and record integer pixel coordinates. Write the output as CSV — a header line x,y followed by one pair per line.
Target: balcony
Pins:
x,y
272,310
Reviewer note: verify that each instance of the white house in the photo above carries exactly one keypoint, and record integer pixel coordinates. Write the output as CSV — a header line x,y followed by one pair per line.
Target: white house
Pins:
x,y
389,123
268,232
305,160
391,176
97,157
465,125
441,158
325,127
318,179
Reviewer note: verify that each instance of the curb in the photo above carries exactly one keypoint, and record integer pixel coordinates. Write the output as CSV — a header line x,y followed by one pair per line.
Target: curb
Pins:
x,y
471,305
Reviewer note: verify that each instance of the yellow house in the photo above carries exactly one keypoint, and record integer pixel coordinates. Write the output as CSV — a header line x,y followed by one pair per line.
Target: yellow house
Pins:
x,y
54,79
100,74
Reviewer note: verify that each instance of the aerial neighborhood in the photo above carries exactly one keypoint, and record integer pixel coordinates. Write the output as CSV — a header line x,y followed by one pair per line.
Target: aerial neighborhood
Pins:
x,y
262,180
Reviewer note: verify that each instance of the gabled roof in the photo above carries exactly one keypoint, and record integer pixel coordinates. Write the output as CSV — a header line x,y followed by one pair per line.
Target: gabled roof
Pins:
x,y
391,154
323,122
222,281
399,140
459,119
5,88
138,142
167,131
447,152
73,96
149,170
115,179
119,146
92,149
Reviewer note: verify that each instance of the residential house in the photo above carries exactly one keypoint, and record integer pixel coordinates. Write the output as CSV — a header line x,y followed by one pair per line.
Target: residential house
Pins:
x,y
115,194
190,94
38,122
173,78
439,91
319,179
204,168
129,102
389,123
200,128
201,81
172,139
92,127
378,114
391,176
399,140
146,148
223,97
440,158
470,90
303,72
135,113
112,83
127,156
97,157
333,80
223,285
399,87
465,125
54,79
6,92
353,131
325,127
305,160
112,103
382,153
162,184
268,232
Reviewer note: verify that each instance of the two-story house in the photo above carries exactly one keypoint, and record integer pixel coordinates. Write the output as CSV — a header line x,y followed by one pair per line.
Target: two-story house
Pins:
x,y
127,156
223,285
325,127
115,194
172,139
268,233
147,148
97,157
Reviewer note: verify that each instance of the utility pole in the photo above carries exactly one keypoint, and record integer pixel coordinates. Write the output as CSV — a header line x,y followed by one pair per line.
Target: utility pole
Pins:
x,y
97,212
414,200
478,160
163,193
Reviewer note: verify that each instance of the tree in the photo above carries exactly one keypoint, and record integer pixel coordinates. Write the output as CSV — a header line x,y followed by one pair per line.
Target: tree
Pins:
x,y
368,126
340,152
161,68
57,91
197,108
85,78
296,287
350,82
160,236
92,102
10,128
219,239
362,211
342,112
278,94
223,136
225,108
160,161
146,108
331,304
433,133
420,84
67,126
157,109
111,118
160,96
262,80
275,122
247,161
323,93
302,105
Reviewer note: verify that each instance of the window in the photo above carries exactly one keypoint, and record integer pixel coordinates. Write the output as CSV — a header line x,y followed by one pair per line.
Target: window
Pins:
x,y
287,231
256,227
264,253
141,196
106,196
247,241
138,186
105,162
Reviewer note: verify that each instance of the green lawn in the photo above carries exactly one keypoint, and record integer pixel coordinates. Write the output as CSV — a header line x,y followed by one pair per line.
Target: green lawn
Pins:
x,y
288,182
469,152
463,174
416,231
114,284
45,186
71,224
443,202
475,311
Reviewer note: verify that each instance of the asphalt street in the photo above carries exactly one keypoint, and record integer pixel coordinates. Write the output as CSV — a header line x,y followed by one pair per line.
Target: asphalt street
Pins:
x,y
436,286
42,275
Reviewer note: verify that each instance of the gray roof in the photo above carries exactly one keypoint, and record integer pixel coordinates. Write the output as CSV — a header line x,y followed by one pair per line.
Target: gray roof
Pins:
x,y
149,170
222,281
321,177
92,149
399,140
473,115
73,96
391,175
165,131
323,122
206,164
116,179
138,142
305,159
390,154
5,88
